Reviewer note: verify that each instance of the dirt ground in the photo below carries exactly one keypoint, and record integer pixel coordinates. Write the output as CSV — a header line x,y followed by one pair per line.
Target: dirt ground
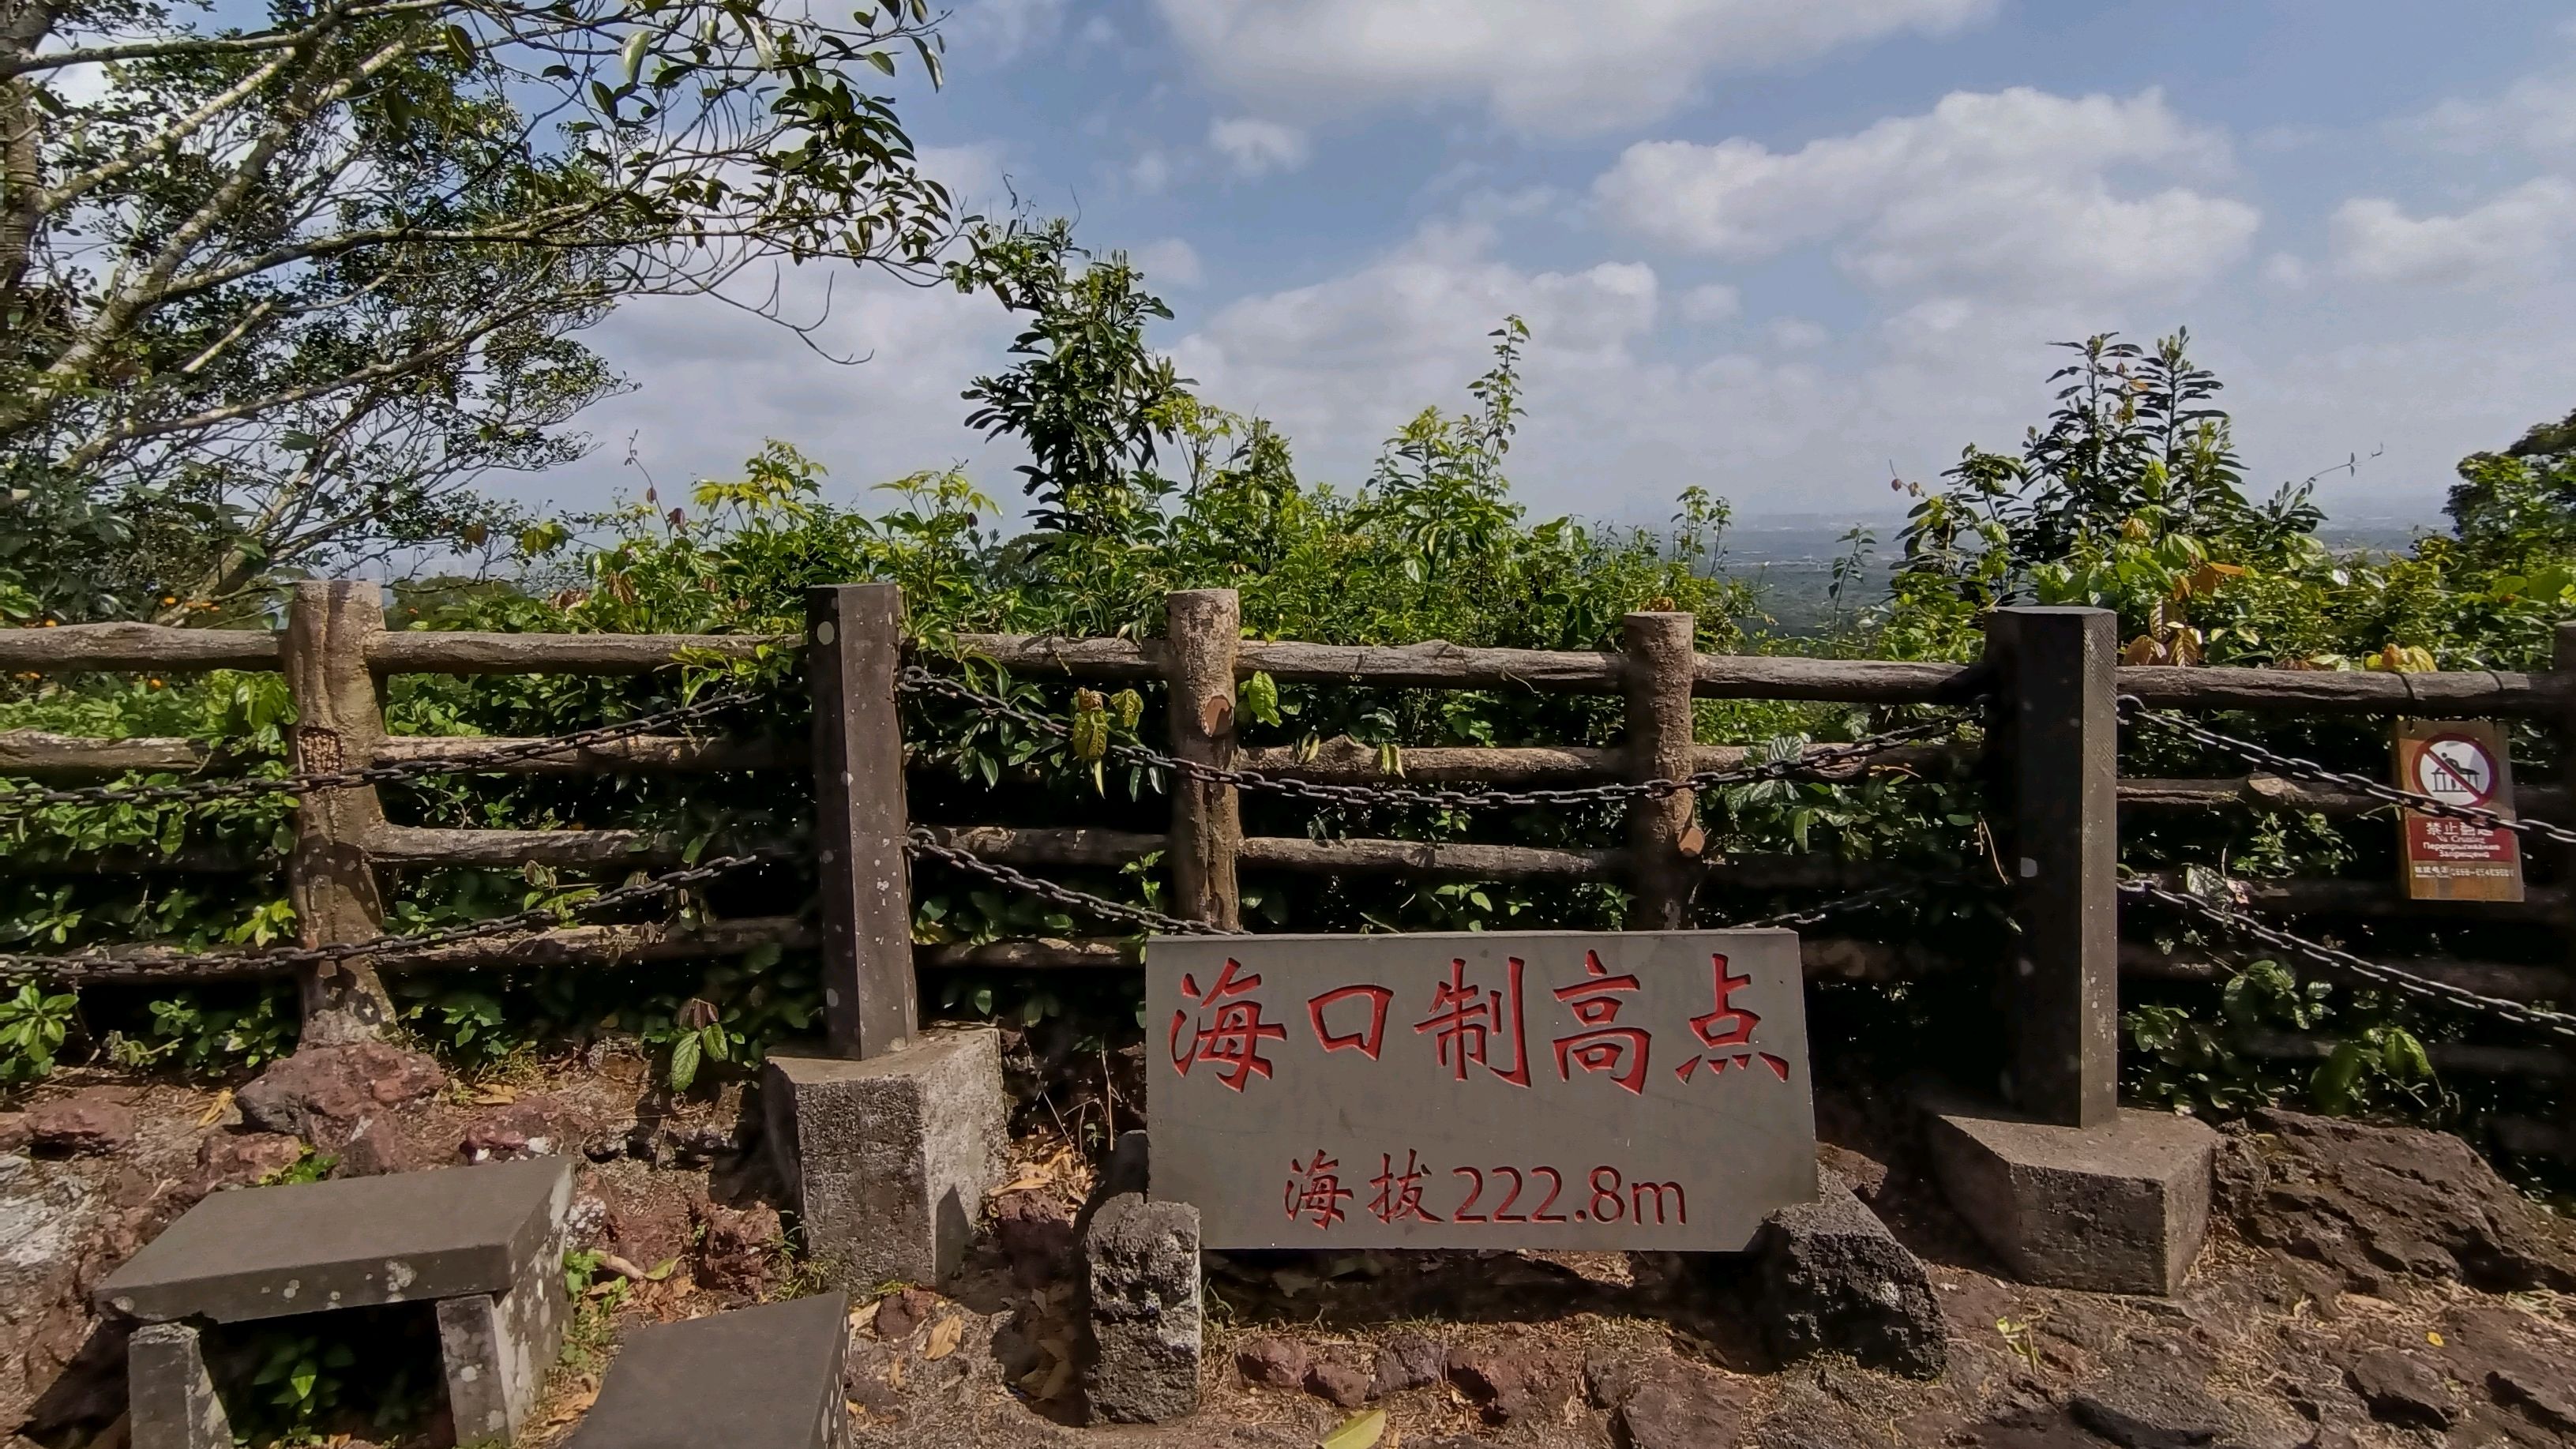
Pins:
x,y
2361,1287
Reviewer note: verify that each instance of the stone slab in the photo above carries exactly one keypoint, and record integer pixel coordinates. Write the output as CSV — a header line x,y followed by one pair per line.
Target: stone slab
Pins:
x,y
890,1157
758,1378
2121,1207
271,1251
1142,1304
1644,1090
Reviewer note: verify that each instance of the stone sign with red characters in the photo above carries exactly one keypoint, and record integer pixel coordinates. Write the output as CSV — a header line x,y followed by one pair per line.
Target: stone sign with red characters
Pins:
x,y
1645,1090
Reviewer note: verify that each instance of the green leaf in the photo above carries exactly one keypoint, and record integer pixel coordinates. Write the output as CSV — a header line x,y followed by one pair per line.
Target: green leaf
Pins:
x,y
632,55
1258,698
684,1062
1359,1431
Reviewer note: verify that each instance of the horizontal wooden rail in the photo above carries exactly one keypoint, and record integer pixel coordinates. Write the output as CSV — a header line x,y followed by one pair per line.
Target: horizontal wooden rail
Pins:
x,y
418,845
2336,896
2510,980
157,648
2544,800
567,946
40,755
2467,1059
2344,691
1825,958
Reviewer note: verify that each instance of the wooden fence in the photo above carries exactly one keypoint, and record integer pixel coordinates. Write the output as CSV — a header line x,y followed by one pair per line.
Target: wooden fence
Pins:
x,y
2051,672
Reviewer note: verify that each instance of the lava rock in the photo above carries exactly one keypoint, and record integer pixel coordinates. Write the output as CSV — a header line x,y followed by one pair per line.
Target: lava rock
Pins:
x,y
737,1247
91,1122
2360,1198
1273,1363
328,1094
1834,1279
1408,1361
242,1159
1035,1232
14,1133
1509,1383
899,1313
1674,1406
382,1147
2401,1389
2141,1405
535,1126
1337,1383
649,1230
1141,1300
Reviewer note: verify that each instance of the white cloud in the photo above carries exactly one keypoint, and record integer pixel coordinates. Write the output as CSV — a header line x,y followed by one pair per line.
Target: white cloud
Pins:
x,y
2537,113
2011,190
1714,302
1256,147
972,173
2518,233
1003,30
1170,262
1536,63
2282,269
1343,363
1150,172
1797,334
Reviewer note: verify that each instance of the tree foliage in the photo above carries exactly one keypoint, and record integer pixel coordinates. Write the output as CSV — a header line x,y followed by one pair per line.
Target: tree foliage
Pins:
x,y
277,293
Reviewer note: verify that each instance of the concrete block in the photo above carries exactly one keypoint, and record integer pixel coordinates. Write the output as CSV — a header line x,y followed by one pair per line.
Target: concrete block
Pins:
x,y
1141,1300
2117,1208
1835,1280
267,1252
890,1157
171,1401
498,1346
759,1378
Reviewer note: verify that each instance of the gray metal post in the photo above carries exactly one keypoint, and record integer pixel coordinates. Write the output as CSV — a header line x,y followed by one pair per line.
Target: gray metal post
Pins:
x,y
2058,745
853,659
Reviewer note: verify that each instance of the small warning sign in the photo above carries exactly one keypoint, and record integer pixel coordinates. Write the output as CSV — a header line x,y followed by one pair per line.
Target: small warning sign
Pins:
x,y
2464,763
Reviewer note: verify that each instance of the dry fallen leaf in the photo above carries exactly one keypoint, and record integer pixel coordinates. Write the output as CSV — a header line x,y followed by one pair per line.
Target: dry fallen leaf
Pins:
x,y
894,1375
1056,1382
494,1096
1359,1431
621,1267
943,1338
1028,1183
214,1113
574,1407
865,1314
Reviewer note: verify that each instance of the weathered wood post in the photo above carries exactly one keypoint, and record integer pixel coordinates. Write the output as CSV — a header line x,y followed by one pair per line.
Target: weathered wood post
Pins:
x,y
1662,660
2563,664
853,661
1203,627
2058,744
339,725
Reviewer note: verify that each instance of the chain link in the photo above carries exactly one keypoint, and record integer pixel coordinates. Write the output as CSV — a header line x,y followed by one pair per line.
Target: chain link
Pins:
x,y
533,918
922,842
1814,764
243,787
1818,914
2299,768
2440,992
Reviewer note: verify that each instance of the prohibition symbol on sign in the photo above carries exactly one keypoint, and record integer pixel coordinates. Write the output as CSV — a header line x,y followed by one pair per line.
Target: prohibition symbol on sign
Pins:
x,y
2455,770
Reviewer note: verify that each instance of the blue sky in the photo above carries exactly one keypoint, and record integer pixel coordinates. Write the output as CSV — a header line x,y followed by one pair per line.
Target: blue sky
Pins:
x,y
1771,247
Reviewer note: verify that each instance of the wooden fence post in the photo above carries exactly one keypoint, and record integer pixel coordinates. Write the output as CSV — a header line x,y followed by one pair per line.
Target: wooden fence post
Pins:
x,y
1663,835
339,725
2563,664
853,665
2058,753
1202,630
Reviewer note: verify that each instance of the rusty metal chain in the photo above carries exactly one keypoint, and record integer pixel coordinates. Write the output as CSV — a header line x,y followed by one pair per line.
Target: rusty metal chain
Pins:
x,y
1818,914
922,842
2442,993
2299,768
533,918
1815,764
233,787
